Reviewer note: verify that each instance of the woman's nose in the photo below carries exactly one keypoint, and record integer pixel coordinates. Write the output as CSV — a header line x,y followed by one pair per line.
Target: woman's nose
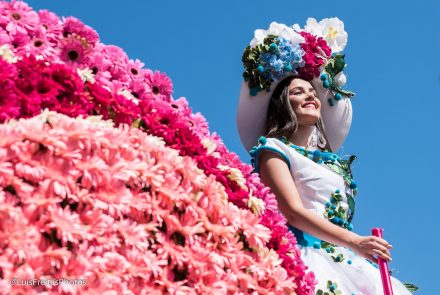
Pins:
x,y
310,96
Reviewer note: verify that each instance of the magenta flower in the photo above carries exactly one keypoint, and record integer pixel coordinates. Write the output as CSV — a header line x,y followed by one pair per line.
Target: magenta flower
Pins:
x,y
316,51
73,51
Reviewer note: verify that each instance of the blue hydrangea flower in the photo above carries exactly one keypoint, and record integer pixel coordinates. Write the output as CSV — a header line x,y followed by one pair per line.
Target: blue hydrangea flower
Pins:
x,y
285,60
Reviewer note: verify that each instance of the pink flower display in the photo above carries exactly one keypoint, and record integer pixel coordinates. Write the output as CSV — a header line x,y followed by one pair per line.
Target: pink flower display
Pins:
x,y
120,210
77,202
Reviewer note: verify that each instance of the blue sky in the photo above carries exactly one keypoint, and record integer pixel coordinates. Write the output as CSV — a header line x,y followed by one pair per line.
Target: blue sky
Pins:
x,y
393,66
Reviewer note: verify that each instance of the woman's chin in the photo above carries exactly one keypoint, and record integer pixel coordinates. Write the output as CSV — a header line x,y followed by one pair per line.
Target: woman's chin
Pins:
x,y
308,120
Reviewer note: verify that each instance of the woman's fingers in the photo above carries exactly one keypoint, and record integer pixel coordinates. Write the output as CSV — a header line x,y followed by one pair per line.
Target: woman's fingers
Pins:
x,y
382,242
383,249
381,254
372,248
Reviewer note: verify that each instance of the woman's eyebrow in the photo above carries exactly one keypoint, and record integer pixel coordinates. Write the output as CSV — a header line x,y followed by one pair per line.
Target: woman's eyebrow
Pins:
x,y
311,89
297,87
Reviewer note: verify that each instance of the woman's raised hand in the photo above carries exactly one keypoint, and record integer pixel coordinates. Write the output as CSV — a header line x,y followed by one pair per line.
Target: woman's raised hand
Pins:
x,y
371,247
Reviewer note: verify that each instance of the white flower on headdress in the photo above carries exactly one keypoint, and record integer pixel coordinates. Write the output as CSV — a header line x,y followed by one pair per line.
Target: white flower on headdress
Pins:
x,y
340,79
285,32
297,28
259,36
277,29
331,29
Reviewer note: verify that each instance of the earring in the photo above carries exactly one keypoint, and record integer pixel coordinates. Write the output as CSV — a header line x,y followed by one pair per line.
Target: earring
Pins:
x,y
321,142
313,139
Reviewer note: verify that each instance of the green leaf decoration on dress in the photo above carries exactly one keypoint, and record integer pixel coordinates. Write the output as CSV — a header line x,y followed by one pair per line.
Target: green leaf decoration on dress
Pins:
x,y
338,258
411,287
329,247
346,164
351,206
335,213
343,168
332,289
339,169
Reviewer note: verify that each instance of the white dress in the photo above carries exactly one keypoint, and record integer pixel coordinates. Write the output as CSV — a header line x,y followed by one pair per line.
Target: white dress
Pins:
x,y
327,194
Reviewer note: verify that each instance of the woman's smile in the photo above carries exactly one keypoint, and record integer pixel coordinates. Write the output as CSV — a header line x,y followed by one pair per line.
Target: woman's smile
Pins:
x,y
310,104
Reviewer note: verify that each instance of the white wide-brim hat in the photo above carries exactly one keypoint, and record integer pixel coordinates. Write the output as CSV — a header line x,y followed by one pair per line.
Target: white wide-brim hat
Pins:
x,y
281,51
252,114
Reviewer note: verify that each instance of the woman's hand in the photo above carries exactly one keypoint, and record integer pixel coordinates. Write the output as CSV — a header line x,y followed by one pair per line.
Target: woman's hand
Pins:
x,y
371,247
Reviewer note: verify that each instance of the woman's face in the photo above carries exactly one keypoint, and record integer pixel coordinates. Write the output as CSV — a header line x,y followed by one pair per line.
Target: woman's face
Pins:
x,y
304,101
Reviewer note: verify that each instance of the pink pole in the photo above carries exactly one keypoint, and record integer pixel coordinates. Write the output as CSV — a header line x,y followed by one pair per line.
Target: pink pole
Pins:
x,y
383,266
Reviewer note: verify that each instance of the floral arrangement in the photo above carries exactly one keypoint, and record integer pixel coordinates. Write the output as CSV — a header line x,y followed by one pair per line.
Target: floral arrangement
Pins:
x,y
60,65
282,51
120,210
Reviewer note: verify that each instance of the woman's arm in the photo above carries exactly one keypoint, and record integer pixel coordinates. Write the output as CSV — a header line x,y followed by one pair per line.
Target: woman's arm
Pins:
x,y
275,173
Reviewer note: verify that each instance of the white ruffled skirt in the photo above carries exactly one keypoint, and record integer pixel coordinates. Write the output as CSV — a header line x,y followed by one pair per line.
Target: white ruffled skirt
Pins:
x,y
353,275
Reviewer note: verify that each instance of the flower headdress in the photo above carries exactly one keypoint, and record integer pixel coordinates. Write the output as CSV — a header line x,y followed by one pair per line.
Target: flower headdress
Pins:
x,y
313,53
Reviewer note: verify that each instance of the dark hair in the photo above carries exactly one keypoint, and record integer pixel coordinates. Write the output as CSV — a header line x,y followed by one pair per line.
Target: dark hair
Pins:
x,y
281,120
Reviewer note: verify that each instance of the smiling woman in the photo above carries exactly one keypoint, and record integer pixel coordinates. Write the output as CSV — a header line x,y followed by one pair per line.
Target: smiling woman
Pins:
x,y
292,96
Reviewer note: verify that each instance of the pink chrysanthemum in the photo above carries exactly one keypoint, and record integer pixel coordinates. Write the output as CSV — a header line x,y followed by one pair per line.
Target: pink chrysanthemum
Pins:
x,y
73,27
4,37
17,17
116,62
99,65
135,68
73,51
19,40
160,85
39,45
51,24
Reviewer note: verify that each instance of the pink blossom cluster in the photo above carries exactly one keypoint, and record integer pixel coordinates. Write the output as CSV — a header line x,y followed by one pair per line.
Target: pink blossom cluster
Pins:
x,y
316,52
62,66
30,85
81,199
69,41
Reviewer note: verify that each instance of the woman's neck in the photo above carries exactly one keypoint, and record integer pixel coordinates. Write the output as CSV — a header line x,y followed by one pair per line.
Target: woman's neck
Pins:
x,y
302,136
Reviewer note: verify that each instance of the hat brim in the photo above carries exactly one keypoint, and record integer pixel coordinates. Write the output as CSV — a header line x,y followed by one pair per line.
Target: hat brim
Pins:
x,y
252,113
